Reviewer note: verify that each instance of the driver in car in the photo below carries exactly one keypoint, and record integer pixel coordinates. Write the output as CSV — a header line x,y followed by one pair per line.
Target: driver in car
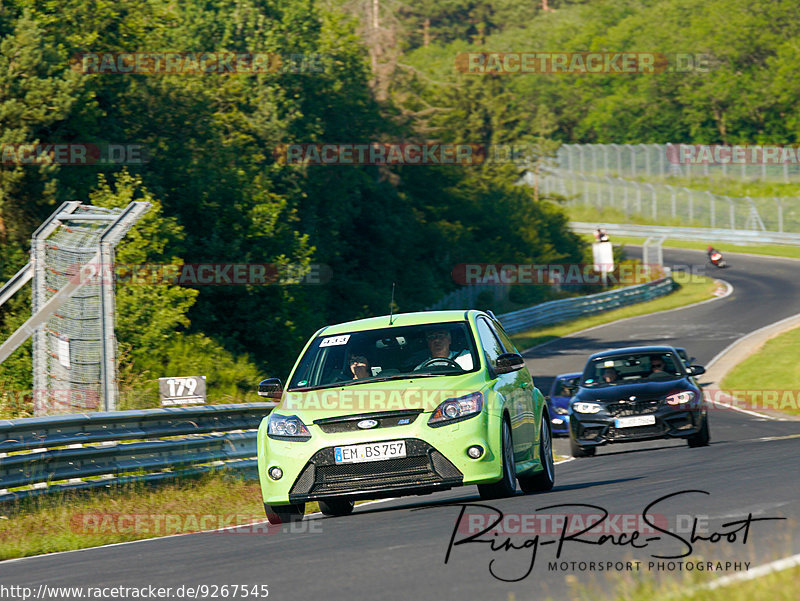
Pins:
x,y
439,345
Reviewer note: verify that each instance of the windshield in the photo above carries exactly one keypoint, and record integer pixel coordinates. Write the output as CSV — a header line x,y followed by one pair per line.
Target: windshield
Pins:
x,y
565,387
442,349
625,369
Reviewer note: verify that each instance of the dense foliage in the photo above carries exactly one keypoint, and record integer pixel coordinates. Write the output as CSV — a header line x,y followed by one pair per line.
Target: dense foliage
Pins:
x,y
219,192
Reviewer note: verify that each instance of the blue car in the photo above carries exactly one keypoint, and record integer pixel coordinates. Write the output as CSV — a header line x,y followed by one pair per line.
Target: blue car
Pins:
x,y
563,389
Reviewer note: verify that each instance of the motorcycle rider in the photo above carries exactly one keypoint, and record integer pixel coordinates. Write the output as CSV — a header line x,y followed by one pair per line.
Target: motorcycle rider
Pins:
x,y
715,257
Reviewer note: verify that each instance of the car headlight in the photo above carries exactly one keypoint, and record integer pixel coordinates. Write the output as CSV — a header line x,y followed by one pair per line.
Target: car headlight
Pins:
x,y
679,398
584,407
287,427
455,410
561,410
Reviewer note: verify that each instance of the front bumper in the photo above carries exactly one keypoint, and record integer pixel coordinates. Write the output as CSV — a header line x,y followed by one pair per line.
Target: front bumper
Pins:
x,y
435,460
600,428
422,470
559,424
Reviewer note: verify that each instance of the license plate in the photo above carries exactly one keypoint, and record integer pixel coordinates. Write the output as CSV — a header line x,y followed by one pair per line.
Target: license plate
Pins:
x,y
373,451
636,420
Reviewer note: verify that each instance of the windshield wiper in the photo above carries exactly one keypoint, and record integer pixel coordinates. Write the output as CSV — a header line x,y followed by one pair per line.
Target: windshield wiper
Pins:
x,y
365,381
410,376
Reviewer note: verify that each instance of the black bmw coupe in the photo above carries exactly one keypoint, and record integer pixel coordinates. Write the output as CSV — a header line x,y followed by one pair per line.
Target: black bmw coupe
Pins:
x,y
637,393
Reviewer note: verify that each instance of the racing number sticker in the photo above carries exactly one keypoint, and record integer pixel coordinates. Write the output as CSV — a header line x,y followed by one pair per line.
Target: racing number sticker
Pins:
x,y
334,340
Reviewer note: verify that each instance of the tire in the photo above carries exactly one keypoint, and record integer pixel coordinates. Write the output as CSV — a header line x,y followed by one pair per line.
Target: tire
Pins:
x,y
284,514
544,480
336,507
702,438
507,485
579,451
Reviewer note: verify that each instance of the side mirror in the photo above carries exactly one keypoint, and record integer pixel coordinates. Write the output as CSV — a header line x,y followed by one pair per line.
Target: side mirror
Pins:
x,y
697,370
508,362
270,388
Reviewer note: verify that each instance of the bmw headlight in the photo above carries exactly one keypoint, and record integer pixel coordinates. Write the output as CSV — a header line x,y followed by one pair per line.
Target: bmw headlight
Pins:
x,y
584,407
455,410
561,410
287,427
679,398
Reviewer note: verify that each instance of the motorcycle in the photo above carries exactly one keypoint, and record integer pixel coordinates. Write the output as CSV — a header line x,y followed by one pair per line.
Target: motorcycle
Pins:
x,y
716,258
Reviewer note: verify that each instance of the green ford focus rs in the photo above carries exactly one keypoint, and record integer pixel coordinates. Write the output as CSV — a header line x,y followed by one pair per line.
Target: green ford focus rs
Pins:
x,y
403,405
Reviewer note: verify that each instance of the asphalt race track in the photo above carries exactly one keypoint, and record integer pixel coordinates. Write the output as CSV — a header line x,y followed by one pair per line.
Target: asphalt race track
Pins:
x,y
396,550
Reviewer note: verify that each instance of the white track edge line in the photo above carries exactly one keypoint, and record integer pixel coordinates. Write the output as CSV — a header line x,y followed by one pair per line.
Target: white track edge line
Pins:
x,y
762,570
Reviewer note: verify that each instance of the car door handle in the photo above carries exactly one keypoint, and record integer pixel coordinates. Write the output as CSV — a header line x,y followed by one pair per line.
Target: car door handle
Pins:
x,y
523,385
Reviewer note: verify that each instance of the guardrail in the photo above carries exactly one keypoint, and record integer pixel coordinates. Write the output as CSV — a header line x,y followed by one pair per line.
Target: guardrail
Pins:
x,y
690,233
68,452
569,308
51,454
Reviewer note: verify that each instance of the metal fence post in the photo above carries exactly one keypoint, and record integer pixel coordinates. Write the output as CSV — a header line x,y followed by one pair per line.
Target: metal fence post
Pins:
x,y
625,196
653,199
672,200
633,160
691,204
618,149
638,197
732,210
711,207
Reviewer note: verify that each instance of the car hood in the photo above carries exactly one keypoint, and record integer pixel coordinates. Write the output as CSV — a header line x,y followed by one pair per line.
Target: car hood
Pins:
x,y
560,401
412,394
643,389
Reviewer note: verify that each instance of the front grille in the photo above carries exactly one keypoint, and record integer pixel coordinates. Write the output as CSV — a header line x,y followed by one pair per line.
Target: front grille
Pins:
x,y
385,419
636,432
423,466
624,408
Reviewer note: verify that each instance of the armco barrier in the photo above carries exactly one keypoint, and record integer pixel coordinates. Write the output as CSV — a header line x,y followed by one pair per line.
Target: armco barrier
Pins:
x,y
701,234
569,308
47,454
66,452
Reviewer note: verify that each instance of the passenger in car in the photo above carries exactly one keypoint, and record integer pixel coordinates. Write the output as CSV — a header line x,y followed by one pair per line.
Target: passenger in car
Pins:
x,y
360,367
610,375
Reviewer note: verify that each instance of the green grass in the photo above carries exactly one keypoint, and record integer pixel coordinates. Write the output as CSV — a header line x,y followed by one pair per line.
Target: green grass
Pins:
x,y
694,289
729,186
66,521
763,195
594,214
74,520
773,368
775,586
724,247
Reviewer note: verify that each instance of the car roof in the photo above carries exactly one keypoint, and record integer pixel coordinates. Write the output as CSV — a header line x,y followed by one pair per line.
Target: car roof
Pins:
x,y
633,350
399,320
572,374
